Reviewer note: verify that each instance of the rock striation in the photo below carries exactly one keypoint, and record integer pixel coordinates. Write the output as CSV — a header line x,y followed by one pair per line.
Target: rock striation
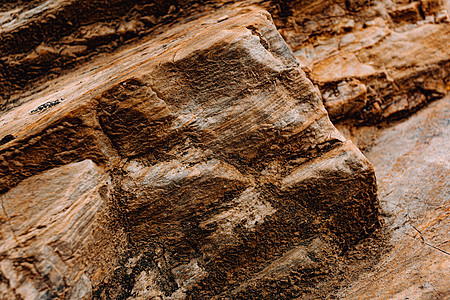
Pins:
x,y
414,197
199,164
397,51
41,39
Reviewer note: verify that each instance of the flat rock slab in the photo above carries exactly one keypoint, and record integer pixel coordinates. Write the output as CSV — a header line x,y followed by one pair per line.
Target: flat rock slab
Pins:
x,y
221,158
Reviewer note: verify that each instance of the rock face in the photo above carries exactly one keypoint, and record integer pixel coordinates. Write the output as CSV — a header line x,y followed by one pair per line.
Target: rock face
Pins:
x,y
396,51
414,196
56,234
40,39
199,164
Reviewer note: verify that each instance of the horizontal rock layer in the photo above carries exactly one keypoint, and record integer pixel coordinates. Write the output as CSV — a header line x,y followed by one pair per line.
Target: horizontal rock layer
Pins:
x,y
40,39
397,51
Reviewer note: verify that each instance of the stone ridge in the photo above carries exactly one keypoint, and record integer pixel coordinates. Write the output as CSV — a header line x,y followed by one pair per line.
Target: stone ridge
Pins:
x,y
220,164
373,61
41,39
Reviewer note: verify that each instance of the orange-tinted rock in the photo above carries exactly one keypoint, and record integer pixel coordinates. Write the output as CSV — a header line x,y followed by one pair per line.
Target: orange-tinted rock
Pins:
x,y
57,237
220,155
347,99
406,13
392,48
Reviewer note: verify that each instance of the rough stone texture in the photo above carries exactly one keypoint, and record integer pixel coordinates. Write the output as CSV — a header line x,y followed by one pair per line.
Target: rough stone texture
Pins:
x,y
41,38
412,164
335,41
347,99
201,163
398,49
57,234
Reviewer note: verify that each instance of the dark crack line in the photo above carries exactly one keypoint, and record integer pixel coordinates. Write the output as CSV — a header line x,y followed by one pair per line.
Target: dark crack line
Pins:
x,y
426,243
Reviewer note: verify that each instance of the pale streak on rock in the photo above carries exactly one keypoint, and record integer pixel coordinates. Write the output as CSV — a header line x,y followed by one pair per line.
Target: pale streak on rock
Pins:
x,y
54,221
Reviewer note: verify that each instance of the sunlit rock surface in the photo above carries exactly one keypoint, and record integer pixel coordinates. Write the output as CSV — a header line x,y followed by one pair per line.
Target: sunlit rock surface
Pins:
x,y
199,164
412,164
195,160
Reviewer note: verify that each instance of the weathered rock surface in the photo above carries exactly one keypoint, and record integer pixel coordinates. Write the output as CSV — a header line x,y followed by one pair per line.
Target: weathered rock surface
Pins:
x,y
336,42
399,50
199,164
57,234
40,39
412,164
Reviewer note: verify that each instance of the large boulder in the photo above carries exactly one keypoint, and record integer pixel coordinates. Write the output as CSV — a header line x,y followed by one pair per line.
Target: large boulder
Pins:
x,y
206,152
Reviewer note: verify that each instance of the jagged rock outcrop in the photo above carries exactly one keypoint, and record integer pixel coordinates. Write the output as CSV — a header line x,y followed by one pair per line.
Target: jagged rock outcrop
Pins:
x,y
201,163
339,43
397,51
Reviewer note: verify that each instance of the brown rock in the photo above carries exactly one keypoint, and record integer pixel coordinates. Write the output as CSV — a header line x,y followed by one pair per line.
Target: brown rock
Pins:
x,y
42,54
339,67
401,73
130,28
73,51
55,237
347,99
431,6
442,17
221,159
406,13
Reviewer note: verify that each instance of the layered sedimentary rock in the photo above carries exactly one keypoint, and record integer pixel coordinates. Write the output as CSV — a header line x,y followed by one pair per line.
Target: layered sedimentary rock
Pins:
x,y
337,42
398,51
40,39
58,234
199,164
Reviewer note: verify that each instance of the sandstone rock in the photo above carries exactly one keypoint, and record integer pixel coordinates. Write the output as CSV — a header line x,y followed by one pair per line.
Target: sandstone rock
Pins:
x,y
406,13
431,6
221,160
56,237
421,73
99,26
347,99
411,161
73,51
392,49
42,53
442,17
98,33
339,67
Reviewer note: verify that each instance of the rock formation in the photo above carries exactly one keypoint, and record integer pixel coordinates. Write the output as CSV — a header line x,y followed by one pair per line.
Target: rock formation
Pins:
x,y
372,60
198,164
183,150
414,196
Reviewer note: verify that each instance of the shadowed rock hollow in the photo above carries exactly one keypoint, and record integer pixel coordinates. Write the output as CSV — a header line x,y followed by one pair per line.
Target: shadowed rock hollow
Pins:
x,y
200,164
